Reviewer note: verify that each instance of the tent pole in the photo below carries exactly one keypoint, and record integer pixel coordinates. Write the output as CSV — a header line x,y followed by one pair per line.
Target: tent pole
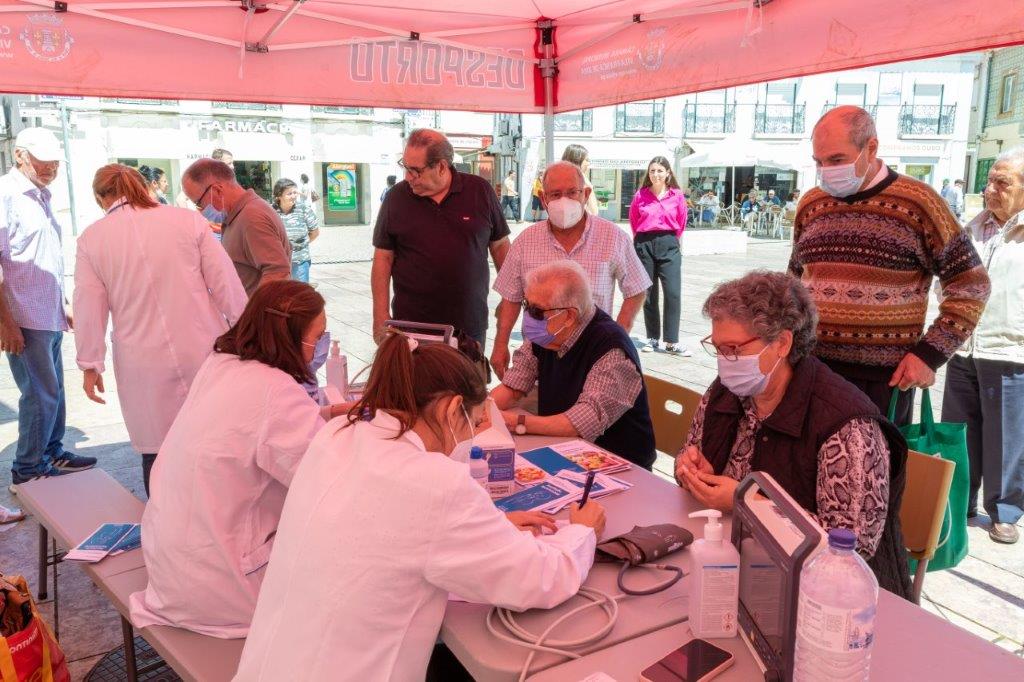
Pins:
x,y
63,110
548,71
732,192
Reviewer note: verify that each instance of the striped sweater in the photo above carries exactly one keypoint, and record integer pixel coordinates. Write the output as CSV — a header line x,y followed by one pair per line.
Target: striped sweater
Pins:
x,y
869,261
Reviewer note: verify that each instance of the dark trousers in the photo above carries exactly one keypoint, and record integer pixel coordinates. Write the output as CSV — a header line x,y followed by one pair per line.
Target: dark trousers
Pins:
x,y
659,253
874,383
148,459
988,396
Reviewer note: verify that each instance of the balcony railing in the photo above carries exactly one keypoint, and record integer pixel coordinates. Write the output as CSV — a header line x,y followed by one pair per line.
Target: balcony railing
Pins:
x,y
872,109
640,117
779,118
927,119
350,111
575,121
709,118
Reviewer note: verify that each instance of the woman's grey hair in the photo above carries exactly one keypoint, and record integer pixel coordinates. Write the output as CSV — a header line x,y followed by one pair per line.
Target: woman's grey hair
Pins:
x,y
205,171
1015,157
768,303
437,145
568,283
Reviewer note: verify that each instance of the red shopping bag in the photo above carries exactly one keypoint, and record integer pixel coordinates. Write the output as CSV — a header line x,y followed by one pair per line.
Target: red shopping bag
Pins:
x,y
31,654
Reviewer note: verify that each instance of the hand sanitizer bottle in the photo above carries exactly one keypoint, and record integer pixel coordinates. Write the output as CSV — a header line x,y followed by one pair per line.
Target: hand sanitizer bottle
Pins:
x,y
714,581
478,467
337,370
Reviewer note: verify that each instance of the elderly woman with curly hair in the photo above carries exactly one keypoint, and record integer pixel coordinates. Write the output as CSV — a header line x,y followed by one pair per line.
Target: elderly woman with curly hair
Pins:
x,y
776,408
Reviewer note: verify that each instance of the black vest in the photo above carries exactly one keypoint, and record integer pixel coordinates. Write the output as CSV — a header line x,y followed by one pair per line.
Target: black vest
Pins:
x,y
817,404
560,382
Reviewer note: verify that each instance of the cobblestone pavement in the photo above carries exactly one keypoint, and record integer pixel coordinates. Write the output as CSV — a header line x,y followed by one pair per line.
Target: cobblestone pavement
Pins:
x,y
984,595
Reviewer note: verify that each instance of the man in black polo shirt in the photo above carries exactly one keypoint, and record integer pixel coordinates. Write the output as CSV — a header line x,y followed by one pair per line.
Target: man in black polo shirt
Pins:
x,y
432,237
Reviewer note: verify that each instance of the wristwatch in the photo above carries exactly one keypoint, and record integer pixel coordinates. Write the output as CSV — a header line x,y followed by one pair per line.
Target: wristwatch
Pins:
x,y
521,425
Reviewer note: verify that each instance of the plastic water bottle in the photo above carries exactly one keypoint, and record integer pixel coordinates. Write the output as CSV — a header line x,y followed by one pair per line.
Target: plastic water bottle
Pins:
x,y
478,467
835,624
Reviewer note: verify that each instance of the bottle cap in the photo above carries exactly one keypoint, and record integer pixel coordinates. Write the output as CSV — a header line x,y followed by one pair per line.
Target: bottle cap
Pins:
x,y
335,348
842,538
476,452
713,528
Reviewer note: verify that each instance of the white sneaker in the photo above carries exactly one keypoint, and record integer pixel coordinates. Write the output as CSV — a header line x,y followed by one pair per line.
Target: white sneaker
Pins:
x,y
651,346
677,349
10,515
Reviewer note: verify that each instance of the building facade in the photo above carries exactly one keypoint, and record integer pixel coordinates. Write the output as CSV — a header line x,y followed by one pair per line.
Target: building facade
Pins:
x,y
922,110
998,123
346,152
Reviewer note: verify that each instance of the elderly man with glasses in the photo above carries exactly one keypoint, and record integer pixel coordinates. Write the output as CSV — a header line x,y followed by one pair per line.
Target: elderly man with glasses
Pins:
x,y
251,230
778,409
434,232
604,251
584,365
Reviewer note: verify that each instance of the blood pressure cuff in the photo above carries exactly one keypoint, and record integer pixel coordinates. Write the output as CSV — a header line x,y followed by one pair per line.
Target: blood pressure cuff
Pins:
x,y
644,544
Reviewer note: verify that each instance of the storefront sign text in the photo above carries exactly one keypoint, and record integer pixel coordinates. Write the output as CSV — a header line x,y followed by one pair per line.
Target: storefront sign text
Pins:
x,y
244,126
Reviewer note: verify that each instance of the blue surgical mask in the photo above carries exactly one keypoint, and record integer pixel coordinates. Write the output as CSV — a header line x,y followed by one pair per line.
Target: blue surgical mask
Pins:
x,y
536,331
213,215
743,376
323,345
841,181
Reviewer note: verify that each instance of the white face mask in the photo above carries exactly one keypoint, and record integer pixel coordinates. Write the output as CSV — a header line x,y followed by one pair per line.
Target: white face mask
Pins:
x,y
460,453
564,212
841,181
743,376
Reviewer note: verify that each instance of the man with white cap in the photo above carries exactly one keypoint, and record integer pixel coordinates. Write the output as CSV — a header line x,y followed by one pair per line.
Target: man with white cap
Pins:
x,y
32,316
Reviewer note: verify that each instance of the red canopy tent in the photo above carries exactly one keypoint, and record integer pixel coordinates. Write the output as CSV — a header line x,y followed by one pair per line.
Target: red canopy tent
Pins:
x,y
490,55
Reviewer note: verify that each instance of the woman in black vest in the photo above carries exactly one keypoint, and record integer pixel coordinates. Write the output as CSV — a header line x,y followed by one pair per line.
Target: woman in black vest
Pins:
x,y
776,408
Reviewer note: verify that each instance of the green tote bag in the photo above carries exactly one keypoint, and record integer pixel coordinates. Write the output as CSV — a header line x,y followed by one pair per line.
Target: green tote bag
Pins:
x,y
948,441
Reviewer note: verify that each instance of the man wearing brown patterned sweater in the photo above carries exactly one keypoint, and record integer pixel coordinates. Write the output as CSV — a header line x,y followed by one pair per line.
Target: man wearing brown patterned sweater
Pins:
x,y
867,243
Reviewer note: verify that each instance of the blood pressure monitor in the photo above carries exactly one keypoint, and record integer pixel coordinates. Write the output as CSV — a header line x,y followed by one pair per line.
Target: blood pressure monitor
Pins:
x,y
775,537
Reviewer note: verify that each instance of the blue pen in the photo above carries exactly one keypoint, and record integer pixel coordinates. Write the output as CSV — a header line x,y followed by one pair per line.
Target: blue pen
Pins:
x,y
587,486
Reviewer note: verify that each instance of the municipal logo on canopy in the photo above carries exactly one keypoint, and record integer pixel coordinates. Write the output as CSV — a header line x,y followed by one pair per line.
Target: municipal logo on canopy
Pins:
x,y
46,38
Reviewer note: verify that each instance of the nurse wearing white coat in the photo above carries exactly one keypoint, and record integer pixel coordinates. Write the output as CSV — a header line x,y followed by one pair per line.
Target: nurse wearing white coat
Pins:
x,y
170,290
383,520
224,469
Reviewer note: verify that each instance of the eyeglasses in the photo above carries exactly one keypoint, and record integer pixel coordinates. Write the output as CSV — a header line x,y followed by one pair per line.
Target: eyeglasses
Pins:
x,y
413,170
537,312
199,201
729,351
573,194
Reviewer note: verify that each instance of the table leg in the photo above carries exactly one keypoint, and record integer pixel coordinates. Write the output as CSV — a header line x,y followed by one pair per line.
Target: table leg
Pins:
x,y
131,668
56,595
44,560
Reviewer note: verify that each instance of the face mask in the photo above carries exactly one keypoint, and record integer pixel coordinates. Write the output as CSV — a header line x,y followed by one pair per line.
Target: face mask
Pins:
x,y
564,212
320,349
536,331
841,181
743,376
460,453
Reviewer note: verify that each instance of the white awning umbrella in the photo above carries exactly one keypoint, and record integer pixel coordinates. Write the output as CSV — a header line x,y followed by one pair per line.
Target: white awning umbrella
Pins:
x,y
738,151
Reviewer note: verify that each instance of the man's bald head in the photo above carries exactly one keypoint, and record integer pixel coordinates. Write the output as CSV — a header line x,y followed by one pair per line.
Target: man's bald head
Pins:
x,y
561,173
854,122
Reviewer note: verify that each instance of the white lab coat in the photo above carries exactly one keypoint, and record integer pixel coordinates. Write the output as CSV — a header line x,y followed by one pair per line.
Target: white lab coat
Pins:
x,y
170,290
374,535
218,486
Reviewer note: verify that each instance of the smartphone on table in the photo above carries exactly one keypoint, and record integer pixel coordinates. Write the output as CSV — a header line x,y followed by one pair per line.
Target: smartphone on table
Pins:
x,y
695,661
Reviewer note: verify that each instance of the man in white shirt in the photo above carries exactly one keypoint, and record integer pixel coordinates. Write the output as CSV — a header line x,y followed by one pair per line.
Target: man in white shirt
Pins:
x,y
510,195
598,245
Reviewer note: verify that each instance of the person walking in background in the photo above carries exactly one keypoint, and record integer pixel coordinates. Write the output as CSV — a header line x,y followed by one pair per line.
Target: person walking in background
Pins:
x,y
510,195
156,183
391,181
433,235
536,205
578,155
307,191
169,290
985,379
958,199
32,315
300,224
253,234
867,243
657,216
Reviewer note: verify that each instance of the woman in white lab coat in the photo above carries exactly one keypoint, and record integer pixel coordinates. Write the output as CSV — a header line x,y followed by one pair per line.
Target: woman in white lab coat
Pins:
x,y
170,290
383,520
224,469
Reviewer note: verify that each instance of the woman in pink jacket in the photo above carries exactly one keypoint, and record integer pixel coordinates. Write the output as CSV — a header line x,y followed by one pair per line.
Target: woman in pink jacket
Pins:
x,y
657,216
